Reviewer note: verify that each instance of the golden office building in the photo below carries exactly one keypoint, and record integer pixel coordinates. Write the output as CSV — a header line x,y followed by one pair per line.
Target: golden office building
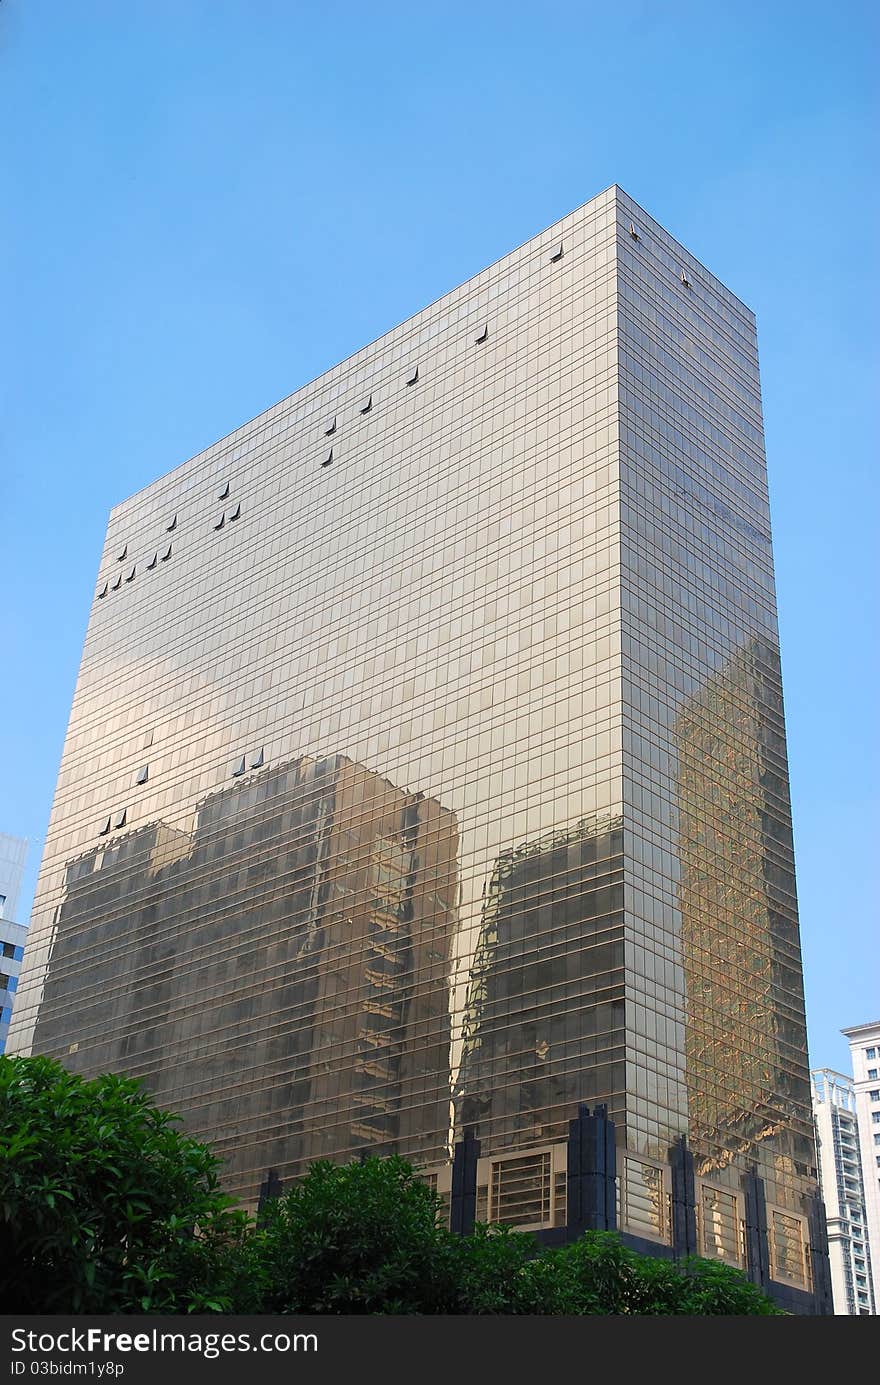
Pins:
x,y
427,766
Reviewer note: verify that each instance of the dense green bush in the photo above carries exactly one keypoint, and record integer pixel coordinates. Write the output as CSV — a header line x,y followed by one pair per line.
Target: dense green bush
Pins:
x,y
107,1208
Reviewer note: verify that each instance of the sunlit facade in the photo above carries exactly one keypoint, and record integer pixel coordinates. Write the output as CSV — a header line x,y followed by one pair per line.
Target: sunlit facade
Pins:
x,y
427,770
843,1191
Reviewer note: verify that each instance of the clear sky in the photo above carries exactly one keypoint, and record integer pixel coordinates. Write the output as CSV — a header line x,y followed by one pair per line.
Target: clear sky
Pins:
x,y
208,202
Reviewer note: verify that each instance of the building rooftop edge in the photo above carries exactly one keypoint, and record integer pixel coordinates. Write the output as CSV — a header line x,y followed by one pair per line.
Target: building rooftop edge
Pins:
x,y
872,1026
831,1072
614,188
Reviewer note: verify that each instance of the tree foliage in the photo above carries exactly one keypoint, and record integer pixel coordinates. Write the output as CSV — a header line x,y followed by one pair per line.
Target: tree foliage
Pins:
x,y
108,1208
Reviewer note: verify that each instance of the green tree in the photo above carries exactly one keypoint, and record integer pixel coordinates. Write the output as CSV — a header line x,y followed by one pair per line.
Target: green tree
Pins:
x,y
366,1238
356,1238
105,1205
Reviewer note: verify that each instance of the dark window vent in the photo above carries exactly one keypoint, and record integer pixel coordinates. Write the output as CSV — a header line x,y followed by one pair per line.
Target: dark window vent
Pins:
x,y
169,528
121,818
685,280
167,554
104,590
117,584
557,255
120,557
153,561
221,521
368,406
235,513
221,495
328,459
132,574
414,377
328,432
108,823
484,335
633,232
143,774
257,760
239,767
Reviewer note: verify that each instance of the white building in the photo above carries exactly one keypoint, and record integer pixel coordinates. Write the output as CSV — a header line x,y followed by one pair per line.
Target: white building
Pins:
x,y
864,1046
841,1177
13,851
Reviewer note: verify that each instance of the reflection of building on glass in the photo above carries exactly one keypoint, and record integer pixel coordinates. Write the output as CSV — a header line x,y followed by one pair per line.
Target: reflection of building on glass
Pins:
x,y
281,976
544,1019
745,1038
538,541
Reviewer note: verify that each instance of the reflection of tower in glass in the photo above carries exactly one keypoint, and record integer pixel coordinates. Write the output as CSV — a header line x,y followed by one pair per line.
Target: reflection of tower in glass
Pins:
x,y
745,1037
281,976
544,1018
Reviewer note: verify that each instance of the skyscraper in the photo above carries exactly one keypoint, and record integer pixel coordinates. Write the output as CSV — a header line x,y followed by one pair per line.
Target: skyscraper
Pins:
x,y
427,767
843,1190
864,1047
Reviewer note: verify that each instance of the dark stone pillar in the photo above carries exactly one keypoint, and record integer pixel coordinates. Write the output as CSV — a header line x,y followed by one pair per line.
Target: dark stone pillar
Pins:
x,y
819,1259
684,1210
269,1188
757,1245
463,1207
592,1173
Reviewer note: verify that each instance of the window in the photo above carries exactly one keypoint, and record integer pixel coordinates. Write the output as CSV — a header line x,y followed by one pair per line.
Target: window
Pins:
x,y
153,561
8,949
167,554
719,1223
786,1247
557,254
121,818
412,379
633,232
368,406
5,945
257,760
328,459
117,584
872,1072
235,513
329,431
875,1117
483,335
221,521
877,1139
170,528
108,822
870,1053
120,557
238,767
223,492
143,774
104,590
131,575
874,1094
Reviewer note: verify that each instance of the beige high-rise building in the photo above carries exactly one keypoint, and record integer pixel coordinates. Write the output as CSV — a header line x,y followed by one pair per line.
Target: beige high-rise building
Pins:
x,y
427,763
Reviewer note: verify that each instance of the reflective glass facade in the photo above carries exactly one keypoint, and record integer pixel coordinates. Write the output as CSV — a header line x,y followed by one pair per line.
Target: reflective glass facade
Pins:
x,y
427,767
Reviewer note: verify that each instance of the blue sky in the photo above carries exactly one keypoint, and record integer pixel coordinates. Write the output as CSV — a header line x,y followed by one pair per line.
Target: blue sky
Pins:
x,y
206,204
